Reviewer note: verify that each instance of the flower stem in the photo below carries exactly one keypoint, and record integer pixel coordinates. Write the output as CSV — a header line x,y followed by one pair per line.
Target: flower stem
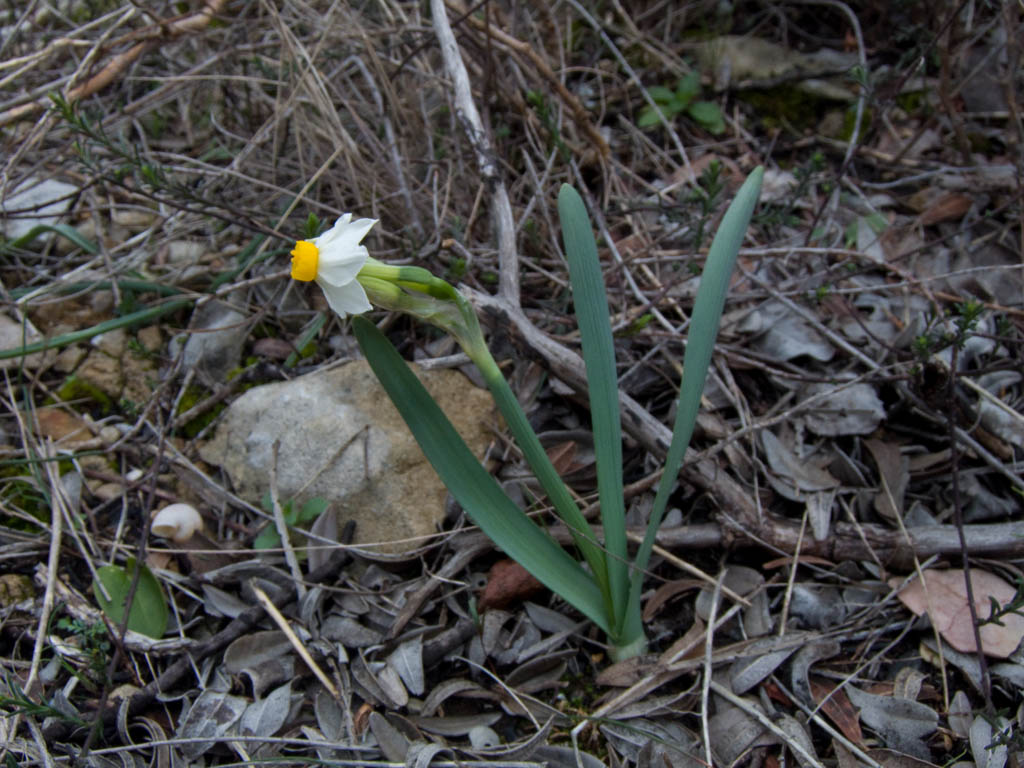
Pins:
x,y
565,506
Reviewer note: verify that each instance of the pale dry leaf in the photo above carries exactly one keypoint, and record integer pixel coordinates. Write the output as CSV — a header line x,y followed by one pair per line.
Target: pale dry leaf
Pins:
x,y
986,753
455,725
798,475
733,732
391,683
812,652
324,527
748,672
329,716
940,655
852,409
894,472
211,716
407,661
943,597
901,723
255,648
221,603
959,715
391,741
796,733
266,716
482,737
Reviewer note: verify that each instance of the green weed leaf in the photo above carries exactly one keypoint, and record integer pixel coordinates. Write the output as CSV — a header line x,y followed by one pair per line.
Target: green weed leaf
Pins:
x,y
661,94
708,115
591,305
707,312
688,88
148,614
473,487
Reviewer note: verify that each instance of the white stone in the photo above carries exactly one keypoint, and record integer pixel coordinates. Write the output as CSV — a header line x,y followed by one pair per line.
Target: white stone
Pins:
x,y
341,439
34,202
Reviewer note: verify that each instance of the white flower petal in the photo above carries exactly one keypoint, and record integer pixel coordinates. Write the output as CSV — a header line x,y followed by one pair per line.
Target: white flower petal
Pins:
x,y
340,265
348,299
328,236
341,255
352,234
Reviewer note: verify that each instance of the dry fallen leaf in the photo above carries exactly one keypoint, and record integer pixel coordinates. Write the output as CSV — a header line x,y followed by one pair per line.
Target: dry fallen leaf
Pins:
x,y
836,704
508,583
946,606
952,206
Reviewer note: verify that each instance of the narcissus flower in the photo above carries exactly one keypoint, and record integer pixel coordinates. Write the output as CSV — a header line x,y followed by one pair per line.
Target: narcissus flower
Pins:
x,y
333,260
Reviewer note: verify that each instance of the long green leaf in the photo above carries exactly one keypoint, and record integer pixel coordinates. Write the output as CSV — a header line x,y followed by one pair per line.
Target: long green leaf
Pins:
x,y
143,315
436,302
473,487
545,472
591,305
64,230
707,312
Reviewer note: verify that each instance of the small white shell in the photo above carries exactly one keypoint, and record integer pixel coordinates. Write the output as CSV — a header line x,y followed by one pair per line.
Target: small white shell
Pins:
x,y
177,522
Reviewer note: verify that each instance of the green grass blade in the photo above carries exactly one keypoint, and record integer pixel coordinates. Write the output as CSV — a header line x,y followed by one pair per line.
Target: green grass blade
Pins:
x,y
591,305
565,506
70,233
707,312
307,336
473,487
143,315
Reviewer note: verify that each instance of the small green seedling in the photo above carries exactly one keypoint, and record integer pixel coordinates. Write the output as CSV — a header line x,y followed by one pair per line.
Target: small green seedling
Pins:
x,y
148,613
269,538
681,101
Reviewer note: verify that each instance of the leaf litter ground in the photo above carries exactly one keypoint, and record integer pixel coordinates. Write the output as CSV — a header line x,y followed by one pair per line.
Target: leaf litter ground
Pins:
x,y
862,424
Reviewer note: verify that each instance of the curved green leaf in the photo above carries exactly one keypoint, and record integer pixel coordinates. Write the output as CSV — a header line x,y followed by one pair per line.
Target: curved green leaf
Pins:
x,y
707,312
63,230
148,613
707,114
473,487
143,315
591,304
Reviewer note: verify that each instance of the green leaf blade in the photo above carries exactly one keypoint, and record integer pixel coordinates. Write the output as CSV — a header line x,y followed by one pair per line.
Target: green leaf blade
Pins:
x,y
708,115
474,488
149,612
545,472
591,305
661,94
707,313
687,88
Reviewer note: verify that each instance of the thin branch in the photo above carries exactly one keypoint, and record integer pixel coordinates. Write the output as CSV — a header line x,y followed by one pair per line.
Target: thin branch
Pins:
x,y
469,118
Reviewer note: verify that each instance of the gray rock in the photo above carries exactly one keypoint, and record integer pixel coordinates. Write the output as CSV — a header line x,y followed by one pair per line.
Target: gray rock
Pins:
x,y
214,345
341,439
15,335
35,201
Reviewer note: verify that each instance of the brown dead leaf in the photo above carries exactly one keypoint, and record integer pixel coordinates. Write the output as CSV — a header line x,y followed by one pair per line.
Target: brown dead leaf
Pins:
x,y
838,708
667,592
272,348
945,602
892,468
949,207
507,583
775,693
563,456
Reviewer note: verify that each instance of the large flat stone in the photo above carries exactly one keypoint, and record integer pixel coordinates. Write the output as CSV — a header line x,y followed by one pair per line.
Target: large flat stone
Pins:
x,y
342,439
